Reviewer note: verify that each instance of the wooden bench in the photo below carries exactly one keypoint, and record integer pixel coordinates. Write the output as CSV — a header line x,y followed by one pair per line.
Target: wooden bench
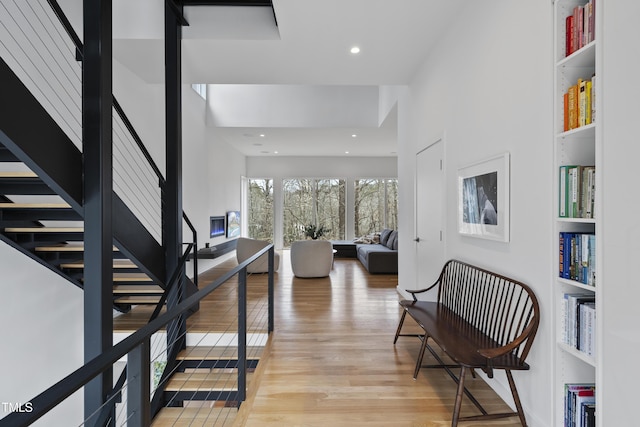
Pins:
x,y
480,320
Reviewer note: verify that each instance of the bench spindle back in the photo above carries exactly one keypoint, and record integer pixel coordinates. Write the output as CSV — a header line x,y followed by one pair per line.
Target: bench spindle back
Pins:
x,y
501,308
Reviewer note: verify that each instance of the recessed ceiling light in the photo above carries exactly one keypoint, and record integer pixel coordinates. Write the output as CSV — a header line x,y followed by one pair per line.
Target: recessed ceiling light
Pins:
x,y
275,152
346,152
262,135
355,50
354,136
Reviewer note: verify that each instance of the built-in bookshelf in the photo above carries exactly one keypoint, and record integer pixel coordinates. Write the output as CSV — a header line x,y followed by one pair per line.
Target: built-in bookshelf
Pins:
x,y
576,288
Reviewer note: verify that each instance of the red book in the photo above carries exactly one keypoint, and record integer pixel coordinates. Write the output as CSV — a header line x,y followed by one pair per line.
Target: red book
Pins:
x,y
569,47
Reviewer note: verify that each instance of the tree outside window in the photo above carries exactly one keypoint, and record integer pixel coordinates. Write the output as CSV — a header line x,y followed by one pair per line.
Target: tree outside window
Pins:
x,y
260,210
376,205
320,202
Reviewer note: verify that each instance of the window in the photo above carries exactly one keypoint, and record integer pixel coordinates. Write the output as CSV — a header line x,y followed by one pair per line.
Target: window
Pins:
x,y
201,89
313,201
376,205
260,209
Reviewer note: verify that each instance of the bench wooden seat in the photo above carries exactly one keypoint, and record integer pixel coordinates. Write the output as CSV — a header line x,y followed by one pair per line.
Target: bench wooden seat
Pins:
x,y
480,320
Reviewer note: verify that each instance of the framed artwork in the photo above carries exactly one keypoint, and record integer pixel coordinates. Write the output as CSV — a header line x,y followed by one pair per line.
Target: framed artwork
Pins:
x,y
483,199
233,224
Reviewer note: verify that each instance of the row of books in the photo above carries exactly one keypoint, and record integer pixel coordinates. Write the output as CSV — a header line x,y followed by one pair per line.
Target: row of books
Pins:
x,y
577,257
580,405
579,322
579,104
577,191
580,27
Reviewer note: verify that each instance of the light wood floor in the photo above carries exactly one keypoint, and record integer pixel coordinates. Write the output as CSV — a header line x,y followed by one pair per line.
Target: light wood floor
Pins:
x,y
331,361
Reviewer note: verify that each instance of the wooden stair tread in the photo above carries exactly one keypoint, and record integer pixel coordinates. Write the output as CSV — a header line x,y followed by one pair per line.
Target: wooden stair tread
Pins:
x,y
44,230
137,299
216,353
131,277
18,174
34,206
194,417
137,289
65,247
203,381
117,264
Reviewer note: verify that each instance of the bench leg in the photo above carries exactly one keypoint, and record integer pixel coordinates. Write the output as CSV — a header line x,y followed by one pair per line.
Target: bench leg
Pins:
x,y
404,313
459,393
423,347
516,398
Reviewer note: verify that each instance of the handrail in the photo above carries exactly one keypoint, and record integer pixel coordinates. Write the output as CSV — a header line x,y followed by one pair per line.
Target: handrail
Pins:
x,y
67,26
195,247
54,395
80,46
138,140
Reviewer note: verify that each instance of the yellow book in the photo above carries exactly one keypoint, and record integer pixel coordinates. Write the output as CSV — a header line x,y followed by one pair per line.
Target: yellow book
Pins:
x,y
582,103
573,106
588,102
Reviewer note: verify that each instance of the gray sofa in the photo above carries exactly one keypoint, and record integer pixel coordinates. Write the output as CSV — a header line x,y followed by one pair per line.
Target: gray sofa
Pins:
x,y
380,258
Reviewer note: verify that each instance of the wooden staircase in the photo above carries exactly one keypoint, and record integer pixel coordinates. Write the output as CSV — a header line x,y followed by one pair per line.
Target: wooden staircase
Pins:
x,y
204,387
41,202
60,248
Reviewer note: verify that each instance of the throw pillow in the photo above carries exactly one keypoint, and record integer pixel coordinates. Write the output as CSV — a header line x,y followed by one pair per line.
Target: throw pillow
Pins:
x,y
384,236
395,243
392,239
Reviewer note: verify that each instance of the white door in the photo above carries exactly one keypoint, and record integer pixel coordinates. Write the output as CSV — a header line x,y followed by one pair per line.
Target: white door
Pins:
x,y
429,215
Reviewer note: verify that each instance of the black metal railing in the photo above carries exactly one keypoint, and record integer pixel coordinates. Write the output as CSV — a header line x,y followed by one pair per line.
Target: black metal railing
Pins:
x,y
155,222
136,346
57,10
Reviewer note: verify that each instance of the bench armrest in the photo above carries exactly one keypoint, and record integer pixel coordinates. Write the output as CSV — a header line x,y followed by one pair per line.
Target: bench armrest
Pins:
x,y
419,291
491,353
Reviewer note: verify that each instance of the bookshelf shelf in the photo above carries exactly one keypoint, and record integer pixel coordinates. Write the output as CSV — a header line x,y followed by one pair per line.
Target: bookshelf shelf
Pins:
x,y
581,58
577,285
577,354
576,143
577,220
586,131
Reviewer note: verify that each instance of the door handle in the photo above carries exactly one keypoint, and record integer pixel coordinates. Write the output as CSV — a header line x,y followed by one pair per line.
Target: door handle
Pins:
x,y
417,239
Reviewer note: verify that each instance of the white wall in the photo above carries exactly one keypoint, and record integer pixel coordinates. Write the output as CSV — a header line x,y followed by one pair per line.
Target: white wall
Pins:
x,y
41,316
294,106
225,167
487,87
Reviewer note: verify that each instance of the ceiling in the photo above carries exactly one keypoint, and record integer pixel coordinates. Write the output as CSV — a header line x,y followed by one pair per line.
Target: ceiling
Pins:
x,y
310,46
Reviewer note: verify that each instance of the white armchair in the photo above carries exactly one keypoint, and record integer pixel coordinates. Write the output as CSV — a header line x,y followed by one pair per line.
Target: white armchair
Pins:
x,y
311,258
246,248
